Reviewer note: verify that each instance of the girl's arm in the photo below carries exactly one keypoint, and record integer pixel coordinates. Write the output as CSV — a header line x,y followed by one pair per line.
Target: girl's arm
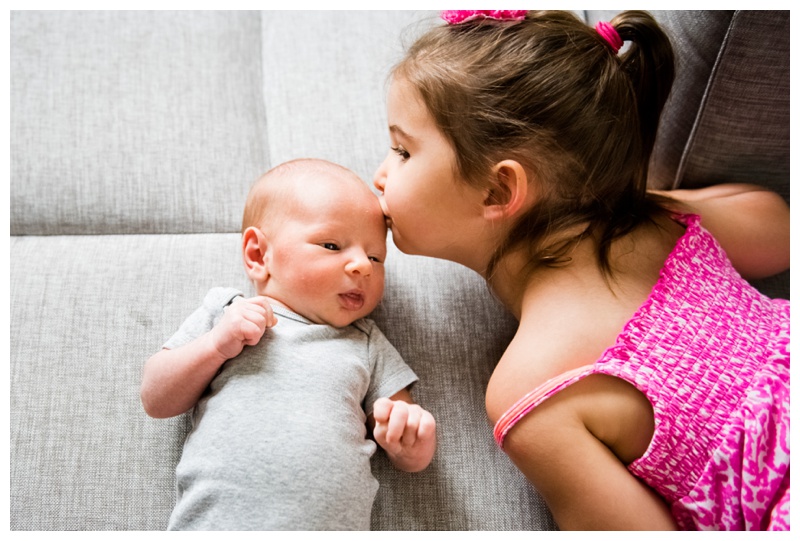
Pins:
x,y
174,379
751,224
585,485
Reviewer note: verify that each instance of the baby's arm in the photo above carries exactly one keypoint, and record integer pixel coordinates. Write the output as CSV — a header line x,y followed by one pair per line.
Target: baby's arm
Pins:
x,y
405,431
751,224
174,379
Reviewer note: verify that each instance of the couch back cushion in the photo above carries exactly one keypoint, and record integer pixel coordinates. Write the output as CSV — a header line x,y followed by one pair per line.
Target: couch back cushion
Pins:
x,y
727,119
134,122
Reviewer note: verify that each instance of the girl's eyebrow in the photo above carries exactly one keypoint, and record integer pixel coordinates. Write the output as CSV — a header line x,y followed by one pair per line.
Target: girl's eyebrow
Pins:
x,y
397,130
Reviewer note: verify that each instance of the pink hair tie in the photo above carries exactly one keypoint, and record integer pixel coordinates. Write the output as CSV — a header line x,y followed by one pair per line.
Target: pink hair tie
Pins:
x,y
458,16
610,34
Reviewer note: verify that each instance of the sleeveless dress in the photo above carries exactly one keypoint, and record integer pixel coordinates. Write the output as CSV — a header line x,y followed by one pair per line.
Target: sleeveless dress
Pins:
x,y
711,354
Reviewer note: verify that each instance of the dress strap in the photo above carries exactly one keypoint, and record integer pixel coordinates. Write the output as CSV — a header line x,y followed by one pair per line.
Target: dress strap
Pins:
x,y
525,404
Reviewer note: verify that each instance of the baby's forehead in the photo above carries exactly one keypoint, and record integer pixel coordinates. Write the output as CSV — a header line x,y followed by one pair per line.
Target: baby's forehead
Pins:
x,y
320,190
327,177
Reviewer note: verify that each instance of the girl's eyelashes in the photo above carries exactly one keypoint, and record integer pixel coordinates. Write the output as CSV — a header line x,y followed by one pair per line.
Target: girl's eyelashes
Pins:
x,y
400,151
330,246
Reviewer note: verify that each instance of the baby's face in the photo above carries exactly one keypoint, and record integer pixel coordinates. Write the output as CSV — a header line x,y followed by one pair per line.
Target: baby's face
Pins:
x,y
326,258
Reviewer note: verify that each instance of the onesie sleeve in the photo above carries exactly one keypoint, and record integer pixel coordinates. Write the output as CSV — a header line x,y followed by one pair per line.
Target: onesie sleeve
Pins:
x,y
204,318
390,373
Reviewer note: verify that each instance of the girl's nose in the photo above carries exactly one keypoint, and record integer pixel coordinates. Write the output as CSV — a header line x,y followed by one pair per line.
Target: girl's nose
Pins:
x,y
379,180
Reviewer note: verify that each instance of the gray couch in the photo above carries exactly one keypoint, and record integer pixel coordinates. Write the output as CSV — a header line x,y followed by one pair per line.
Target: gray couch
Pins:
x,y
134,139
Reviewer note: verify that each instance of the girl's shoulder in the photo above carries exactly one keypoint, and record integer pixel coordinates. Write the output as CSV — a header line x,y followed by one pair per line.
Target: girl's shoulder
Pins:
x,y
571,316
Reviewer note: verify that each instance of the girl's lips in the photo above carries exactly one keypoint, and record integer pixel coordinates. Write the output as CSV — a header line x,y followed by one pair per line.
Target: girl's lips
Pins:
x,y
352,300
385,213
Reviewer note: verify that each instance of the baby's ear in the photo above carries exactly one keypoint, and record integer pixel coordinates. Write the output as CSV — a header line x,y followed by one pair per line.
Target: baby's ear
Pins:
x,y
254,254
508,193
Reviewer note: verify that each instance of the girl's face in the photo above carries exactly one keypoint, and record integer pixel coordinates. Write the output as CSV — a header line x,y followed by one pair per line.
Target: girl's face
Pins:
x,y
429,208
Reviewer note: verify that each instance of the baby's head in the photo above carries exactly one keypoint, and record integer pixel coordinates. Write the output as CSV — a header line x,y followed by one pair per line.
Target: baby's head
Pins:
x,y
314,241
550,93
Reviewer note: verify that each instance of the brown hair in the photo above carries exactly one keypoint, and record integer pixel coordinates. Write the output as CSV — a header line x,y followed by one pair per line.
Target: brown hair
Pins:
x,y
550,93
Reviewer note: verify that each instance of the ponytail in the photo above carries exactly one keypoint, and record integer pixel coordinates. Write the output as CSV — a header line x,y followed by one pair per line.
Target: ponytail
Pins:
x,y
649,62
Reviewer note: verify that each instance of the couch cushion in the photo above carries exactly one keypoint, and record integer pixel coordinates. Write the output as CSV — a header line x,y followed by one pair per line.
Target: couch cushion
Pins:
x,y
741,133
134,122
696,39
329,101
85,456
450,329
727,118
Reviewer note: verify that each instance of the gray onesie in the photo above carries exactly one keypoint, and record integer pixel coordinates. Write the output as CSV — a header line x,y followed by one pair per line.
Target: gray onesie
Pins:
x,y
279,438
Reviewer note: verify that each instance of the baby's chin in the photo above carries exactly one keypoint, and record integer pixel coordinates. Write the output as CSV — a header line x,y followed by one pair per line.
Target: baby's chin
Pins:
x,y
341,318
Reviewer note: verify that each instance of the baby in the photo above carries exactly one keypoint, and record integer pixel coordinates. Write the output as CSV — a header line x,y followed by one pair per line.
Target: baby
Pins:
x,y
279,438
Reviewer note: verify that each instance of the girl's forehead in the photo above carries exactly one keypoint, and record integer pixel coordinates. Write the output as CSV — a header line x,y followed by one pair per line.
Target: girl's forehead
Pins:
x,y
405,97
407,113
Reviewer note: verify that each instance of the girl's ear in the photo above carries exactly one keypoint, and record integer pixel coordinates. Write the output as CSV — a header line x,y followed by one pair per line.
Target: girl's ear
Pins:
x,y
254,254
508,193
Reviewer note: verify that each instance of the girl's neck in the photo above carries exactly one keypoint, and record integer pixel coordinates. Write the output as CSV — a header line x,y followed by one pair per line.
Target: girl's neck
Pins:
x,y
514,279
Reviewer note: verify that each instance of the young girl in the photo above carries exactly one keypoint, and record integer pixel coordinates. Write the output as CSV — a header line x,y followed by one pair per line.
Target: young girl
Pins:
x,y
647,385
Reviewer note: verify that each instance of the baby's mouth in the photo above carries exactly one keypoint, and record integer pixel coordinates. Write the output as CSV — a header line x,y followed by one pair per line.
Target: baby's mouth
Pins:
x,y
352,300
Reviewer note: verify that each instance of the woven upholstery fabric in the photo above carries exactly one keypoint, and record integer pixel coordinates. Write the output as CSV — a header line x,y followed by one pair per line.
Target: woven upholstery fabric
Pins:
x,y
134,122
442,318
84,456
697,37
742,129
328,101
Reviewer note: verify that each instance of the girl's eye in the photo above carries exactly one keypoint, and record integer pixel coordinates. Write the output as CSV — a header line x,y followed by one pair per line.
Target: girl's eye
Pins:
x,y
375,259
330,246
400,151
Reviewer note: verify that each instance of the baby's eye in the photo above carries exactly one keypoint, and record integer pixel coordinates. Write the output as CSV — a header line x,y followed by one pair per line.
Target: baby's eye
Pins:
x,y
375,259
400,151
330,246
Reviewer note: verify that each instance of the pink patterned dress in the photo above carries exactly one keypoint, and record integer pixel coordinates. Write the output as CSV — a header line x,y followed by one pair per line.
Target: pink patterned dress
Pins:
x,y
711,354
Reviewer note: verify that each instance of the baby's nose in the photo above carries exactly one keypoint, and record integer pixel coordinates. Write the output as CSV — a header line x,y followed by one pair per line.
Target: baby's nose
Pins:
x,y
360,264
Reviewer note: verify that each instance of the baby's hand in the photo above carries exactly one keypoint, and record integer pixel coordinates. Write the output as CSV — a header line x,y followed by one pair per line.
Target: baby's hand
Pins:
x,y
406,432
242,324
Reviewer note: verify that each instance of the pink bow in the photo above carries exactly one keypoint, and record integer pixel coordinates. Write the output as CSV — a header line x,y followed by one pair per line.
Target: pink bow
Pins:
x,y
458,16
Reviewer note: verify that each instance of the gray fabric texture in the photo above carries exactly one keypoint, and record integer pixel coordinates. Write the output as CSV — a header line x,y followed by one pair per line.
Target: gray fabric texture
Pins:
x,y
742,130
328,101
158,122
134,122
727,117
279,440
84,456
696,37
452,332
